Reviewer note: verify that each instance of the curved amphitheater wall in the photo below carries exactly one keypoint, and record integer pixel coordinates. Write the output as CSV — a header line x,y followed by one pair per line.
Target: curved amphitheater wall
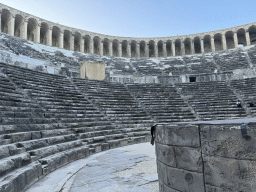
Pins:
x,y
126,49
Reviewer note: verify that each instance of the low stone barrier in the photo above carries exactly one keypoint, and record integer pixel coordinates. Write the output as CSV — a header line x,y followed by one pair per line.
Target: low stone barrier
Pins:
x,y
206,157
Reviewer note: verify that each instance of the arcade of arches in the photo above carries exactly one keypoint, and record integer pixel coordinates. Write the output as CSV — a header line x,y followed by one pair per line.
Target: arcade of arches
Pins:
x,y
30,29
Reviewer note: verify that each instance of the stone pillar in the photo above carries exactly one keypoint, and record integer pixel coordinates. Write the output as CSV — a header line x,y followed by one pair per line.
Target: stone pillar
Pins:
x,y
11,25
49,36
82,44
192,46
202,45
182,47
0,20
247,37
24,29
212,44
101,48
173,48
164,49
61,39
156,50
91,47
224,44
72,41
120,50
37,33
129,49
147,50
138,50
111,48
235,39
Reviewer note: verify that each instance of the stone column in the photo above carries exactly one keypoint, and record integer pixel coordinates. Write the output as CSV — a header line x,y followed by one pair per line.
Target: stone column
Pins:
x,y
61,39
11,25
156,50
120,50
224,44
147,50
49,36
247,37
182,47
24,29
0,20
37,33
192,46
101,48
91,47
138,49
212,44
82,44
72,41
164,49
202,45
129,49
173,48
111,48
235,39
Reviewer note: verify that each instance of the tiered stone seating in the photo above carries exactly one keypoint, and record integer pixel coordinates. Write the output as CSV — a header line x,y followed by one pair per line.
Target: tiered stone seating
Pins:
x,y
230,61
252,55
46,123
212,100
163,102
117,103
146,67
176,66
247,90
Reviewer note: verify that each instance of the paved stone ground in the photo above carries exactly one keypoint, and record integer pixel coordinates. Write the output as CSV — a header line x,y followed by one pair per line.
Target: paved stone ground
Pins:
x,y
127,169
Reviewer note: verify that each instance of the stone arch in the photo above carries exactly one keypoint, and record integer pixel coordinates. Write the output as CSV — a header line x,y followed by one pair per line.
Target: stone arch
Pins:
x,y
55,36
43,33
18,25
151,48
115,48
169,48
142,49
133,48
77,41
5,20
67,39
31,29
207,44
178,47
187,46
106,44
87,42
230,39
218,42
96,45
124,48
252,34
160,47
241,37
197,45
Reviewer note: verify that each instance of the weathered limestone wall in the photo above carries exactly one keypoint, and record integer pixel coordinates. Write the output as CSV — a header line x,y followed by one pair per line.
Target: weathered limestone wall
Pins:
x,y
93,70
211,158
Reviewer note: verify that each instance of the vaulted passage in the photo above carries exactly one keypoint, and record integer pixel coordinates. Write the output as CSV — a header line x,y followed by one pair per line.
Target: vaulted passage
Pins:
x,y
142,49
187,44
230,40
87,41
115,48
160,46
18,26
77,42
207,44
218,42
133,48
178,47
106,45
197,45
252,33
96,45
55,36
6,21
169,48
43,33
124,48
151,46
33,31
241,37
67,39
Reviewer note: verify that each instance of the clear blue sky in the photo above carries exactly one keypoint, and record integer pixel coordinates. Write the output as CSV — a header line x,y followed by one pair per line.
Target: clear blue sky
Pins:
x,y
142,18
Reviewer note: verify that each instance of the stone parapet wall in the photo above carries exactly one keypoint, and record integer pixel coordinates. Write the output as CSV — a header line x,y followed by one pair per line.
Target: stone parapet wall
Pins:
x,y
211,158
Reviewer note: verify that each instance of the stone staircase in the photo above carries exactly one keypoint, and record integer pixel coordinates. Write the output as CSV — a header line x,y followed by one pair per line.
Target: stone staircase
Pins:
x,y
162,102
247,90
212,100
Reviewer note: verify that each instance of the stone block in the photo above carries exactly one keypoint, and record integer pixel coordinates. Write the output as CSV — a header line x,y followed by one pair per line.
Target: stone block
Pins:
x,y
227,141
35,135
230,174
4,151
209,188
17,137
165,188
6,166
183,180
161,171
189,158
178,135
166,154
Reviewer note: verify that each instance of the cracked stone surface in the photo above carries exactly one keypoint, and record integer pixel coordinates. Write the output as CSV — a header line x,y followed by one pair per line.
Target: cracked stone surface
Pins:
x,y
128,169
